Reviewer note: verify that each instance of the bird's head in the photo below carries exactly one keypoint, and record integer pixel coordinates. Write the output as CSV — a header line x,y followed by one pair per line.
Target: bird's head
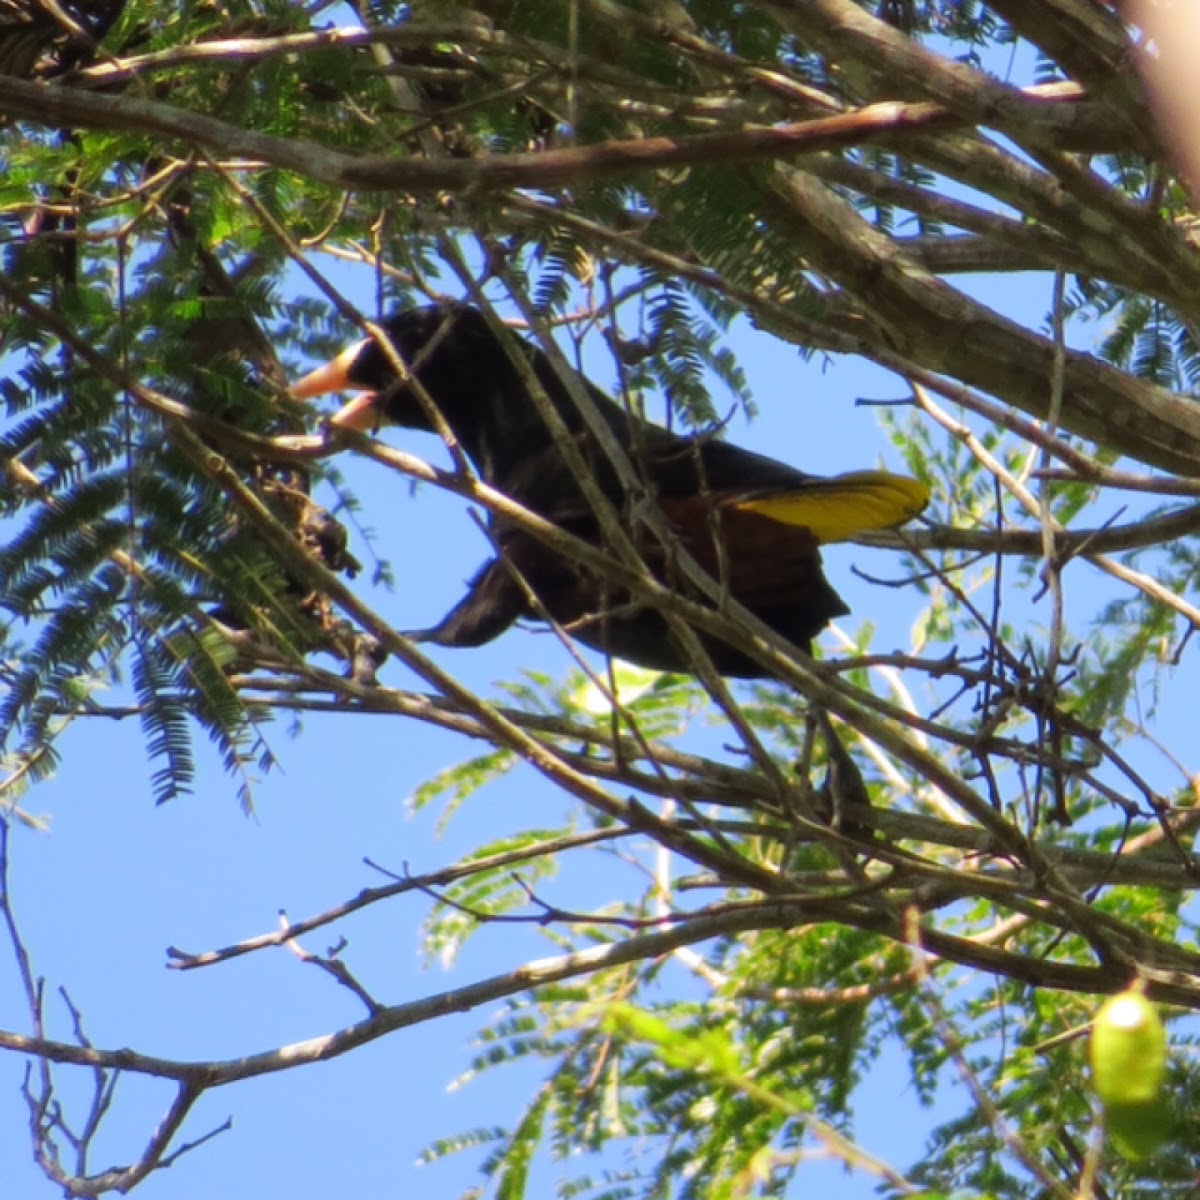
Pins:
x,y
431,344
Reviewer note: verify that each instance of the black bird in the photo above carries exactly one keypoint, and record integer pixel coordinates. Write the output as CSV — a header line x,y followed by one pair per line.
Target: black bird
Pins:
x,y
769,518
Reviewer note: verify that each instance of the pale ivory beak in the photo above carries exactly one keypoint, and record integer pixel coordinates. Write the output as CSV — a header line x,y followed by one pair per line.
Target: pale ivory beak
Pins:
x,y
360,413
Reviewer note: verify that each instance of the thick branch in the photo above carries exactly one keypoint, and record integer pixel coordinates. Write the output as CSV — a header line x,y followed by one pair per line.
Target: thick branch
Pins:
x,y
843,31
946,331
50,106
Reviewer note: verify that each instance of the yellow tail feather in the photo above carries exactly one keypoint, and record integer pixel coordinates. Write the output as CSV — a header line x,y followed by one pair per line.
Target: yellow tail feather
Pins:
x,y
842,507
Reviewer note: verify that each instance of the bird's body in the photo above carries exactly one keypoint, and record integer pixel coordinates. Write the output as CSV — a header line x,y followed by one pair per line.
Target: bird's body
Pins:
x,y
753,523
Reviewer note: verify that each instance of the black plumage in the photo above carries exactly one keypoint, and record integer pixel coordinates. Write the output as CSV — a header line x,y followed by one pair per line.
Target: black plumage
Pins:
x,y
754,523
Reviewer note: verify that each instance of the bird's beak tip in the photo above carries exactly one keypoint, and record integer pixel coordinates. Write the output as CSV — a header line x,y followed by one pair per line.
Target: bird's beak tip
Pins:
x,y
359,414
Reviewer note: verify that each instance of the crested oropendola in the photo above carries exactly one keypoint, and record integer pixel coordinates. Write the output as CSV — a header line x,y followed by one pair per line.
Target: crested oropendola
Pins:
x,y
770,518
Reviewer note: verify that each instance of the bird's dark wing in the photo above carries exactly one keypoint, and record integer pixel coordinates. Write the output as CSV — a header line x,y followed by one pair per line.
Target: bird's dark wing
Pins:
x,y
772,567
682,466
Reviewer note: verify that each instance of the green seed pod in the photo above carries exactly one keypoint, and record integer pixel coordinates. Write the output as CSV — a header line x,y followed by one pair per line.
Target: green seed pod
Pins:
x,y
1128,1051
1137,1130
